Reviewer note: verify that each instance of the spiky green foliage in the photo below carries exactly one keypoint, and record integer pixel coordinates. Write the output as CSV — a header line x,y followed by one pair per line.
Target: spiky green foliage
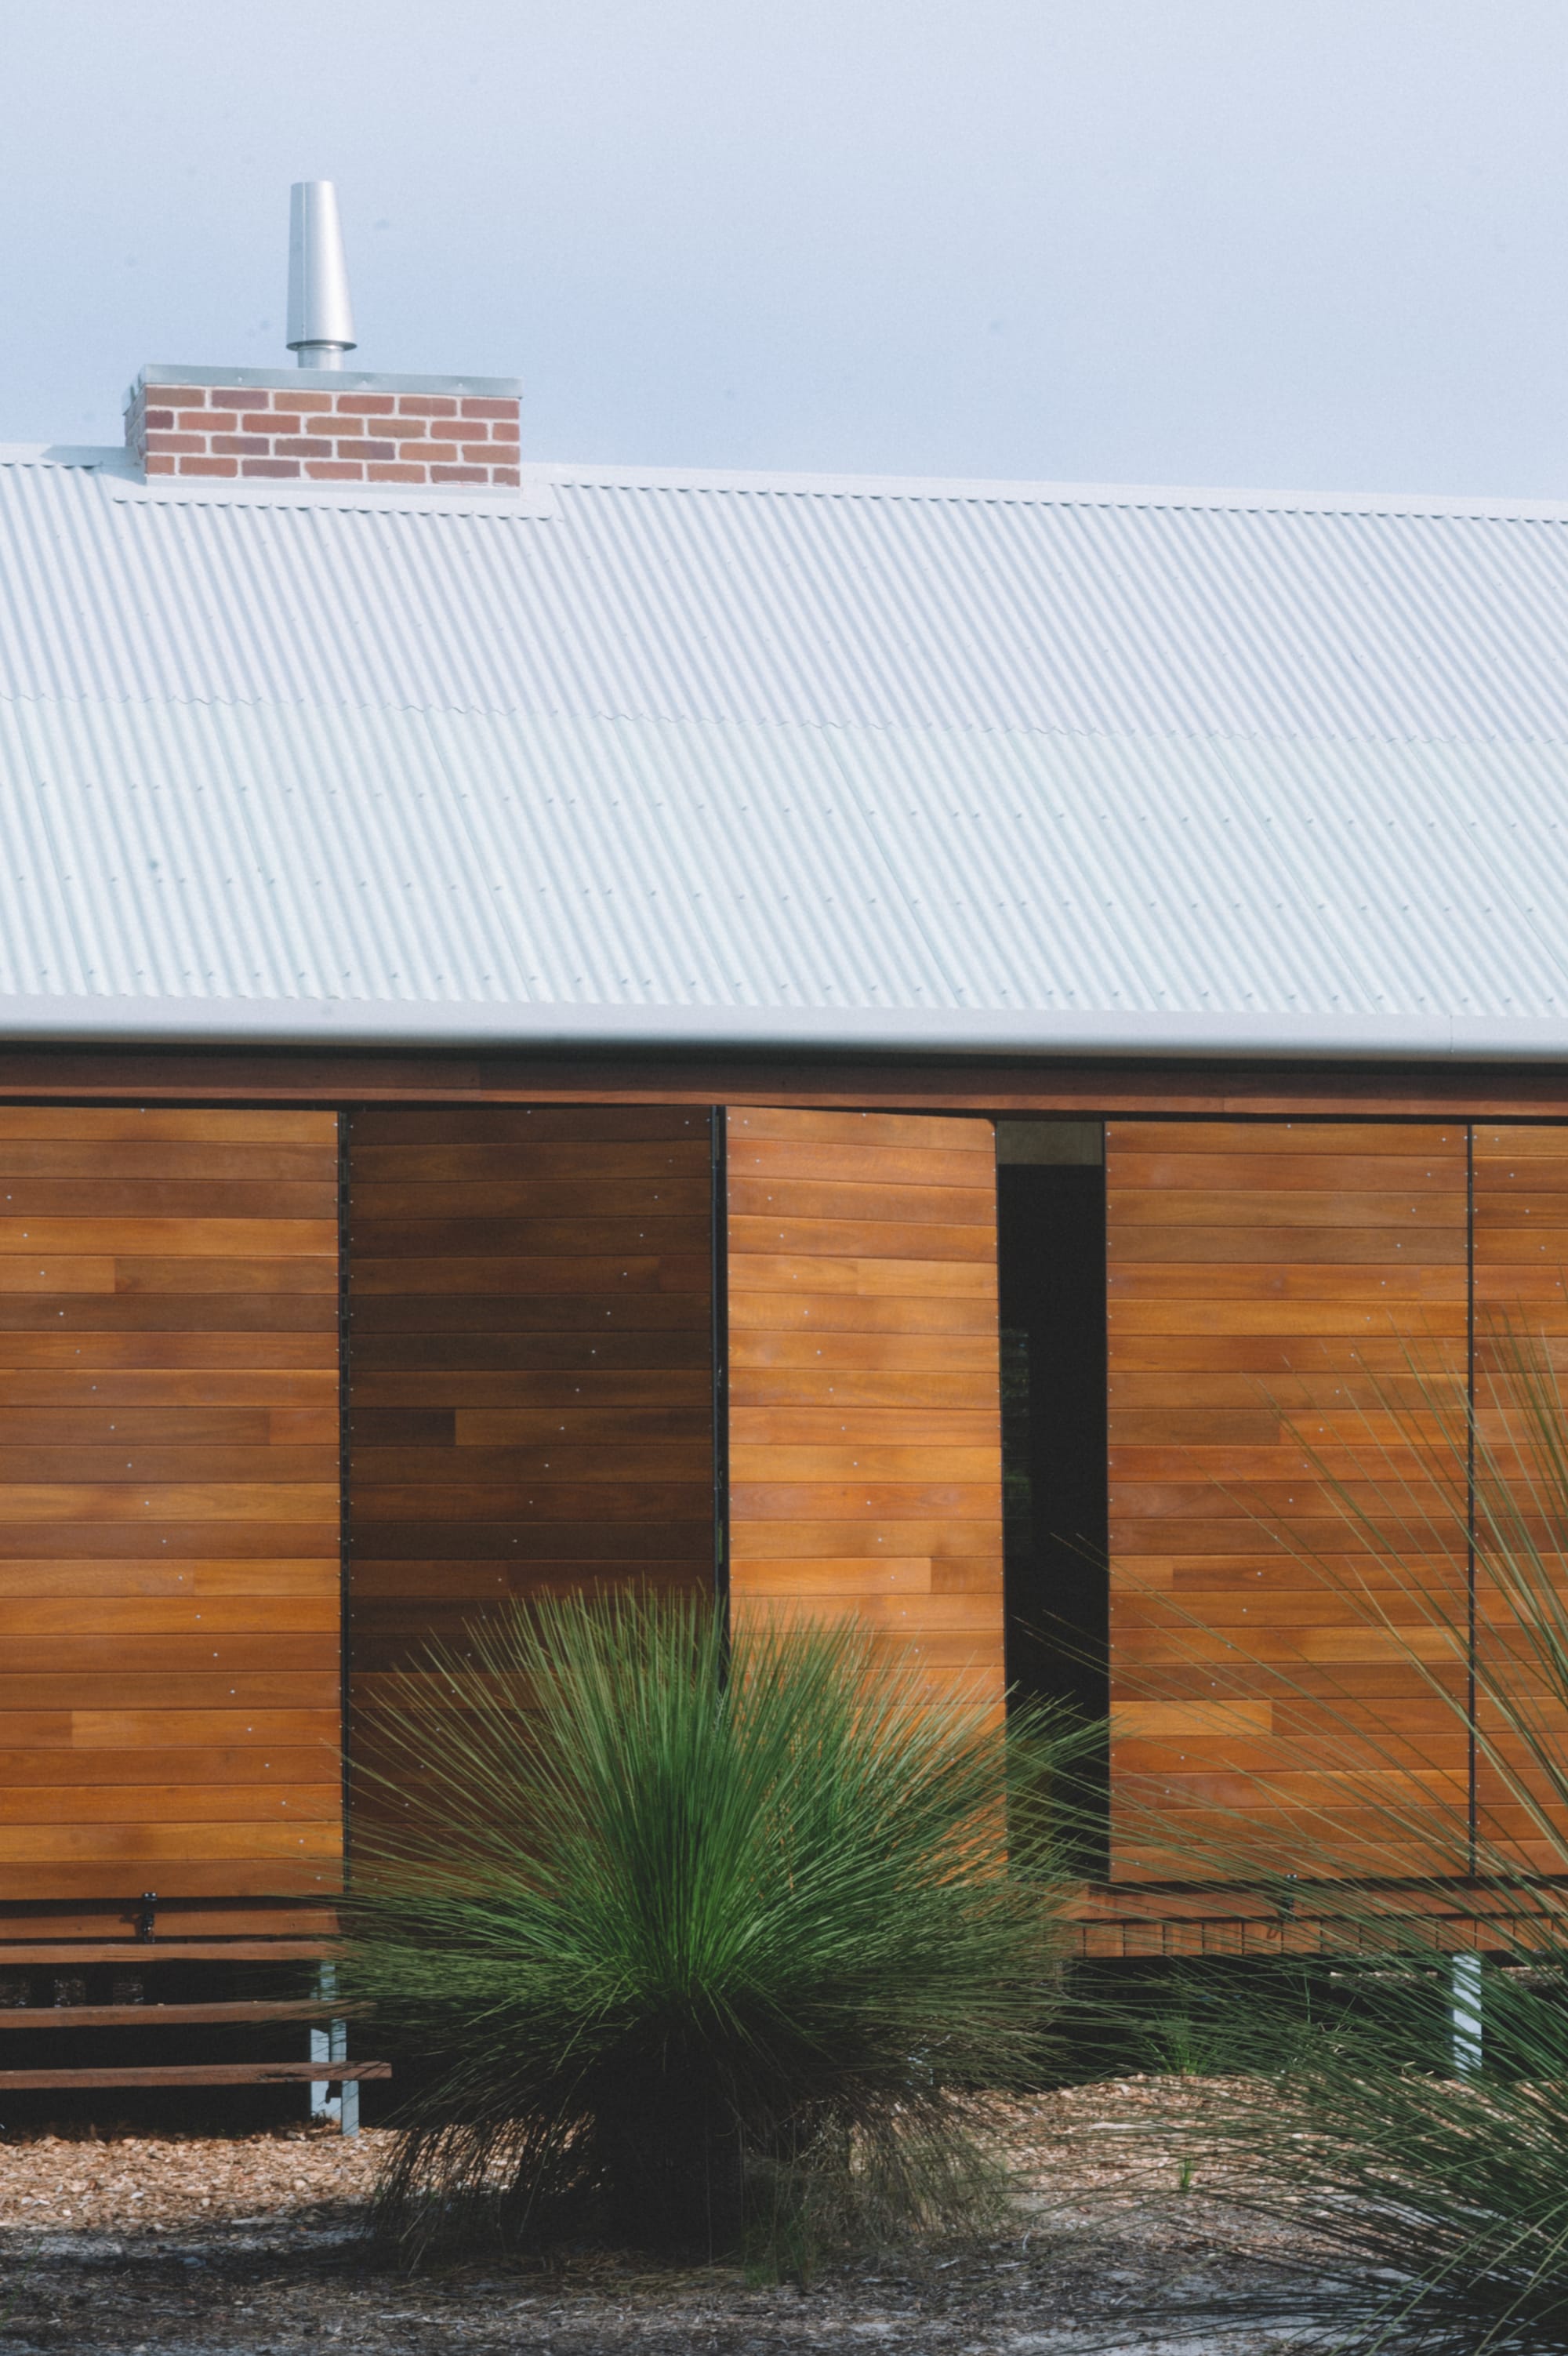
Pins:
x,y
1354,2090
693,1941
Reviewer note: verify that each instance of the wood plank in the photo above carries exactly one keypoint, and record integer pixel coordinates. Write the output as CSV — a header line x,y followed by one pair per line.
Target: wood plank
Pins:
x,y
143,1124
1367,1136
1218,1206
403,1202
859,1239
313,1271
915,1132
1347,1173
23,1771
239,2014
1297,1247
606,1278
510,1427
473,1162
34,1203
526,1125
633,1462
121,1845
605,1236
144,1615
875,1201
237,1719
944,1281
125,1161
231,1802
814,1162
83,1465
164,1951
180,1502
38,1389
198,2073
591,1388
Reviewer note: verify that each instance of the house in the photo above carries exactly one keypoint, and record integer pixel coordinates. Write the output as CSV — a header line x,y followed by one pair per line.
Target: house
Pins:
x,y
559,1021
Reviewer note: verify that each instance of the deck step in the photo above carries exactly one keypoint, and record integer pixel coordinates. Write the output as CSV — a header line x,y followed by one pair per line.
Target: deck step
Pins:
x,y
165,2016
203,2073
172,1950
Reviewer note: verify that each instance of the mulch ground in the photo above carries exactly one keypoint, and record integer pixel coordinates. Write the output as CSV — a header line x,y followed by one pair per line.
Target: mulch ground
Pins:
x,y
203,2246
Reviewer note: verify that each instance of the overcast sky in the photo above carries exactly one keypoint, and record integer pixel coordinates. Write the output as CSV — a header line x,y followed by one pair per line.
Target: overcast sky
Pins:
x,y
1312,244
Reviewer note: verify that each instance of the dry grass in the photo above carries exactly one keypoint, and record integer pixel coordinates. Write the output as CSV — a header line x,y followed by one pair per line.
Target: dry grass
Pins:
x,y
206,2246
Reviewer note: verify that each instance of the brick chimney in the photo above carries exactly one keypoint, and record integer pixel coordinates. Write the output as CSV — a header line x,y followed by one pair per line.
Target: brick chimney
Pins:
x,y
325,426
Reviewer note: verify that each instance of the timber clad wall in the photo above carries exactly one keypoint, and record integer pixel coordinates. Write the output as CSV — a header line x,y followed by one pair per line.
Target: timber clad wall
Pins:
x,y
169,1643
530,1344
866,1458
1257,1270
533,1395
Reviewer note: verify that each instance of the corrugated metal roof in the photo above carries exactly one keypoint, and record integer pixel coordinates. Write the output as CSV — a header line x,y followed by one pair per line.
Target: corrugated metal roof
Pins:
x,y
669,757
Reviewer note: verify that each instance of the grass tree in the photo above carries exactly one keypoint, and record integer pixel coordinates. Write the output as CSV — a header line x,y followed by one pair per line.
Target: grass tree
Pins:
x,y
693,1941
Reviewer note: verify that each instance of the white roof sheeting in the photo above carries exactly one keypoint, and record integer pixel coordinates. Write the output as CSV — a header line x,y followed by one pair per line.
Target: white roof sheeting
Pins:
x,y
682,759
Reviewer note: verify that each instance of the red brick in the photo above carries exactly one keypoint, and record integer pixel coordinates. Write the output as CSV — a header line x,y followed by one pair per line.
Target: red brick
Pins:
x,y
263,421
299,445
323,471
503,431
473,429
490,408
425,404
226,467
160,466
480,454
302,400
433,454
458,475
407,425
177,440
271,469
176,396
367,449
397,475
201,420
511,475
162,419
240,445
226,398
365,404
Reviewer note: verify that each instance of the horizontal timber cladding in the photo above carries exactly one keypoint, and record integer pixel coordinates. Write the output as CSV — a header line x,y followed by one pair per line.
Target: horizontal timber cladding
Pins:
x,y
1521,1353
170,1560
865,1420
1286,1302
530,1369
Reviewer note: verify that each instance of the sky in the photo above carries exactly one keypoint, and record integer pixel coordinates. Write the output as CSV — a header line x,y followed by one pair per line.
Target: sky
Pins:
x,y
1284,243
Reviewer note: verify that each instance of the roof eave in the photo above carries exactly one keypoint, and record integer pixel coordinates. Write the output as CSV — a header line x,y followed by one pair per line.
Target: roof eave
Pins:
x,y
467,1026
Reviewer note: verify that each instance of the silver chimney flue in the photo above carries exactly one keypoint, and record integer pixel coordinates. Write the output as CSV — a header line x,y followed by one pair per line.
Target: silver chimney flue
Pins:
x,y
320,315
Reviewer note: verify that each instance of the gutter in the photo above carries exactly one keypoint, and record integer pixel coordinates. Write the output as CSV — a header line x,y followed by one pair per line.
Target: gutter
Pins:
x,y
106,1021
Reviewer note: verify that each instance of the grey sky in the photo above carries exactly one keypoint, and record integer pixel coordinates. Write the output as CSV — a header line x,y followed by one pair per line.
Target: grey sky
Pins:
x,y
1314,244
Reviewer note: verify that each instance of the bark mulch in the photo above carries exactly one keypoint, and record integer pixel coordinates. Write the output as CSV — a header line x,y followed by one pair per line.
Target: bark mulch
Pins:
x,y
254,2246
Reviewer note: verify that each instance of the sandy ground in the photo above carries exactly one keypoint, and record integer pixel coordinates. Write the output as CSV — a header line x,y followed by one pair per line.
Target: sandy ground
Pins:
x,y
201,2246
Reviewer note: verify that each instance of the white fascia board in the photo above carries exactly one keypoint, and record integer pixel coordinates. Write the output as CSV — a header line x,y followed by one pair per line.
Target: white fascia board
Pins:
x,y
315,1023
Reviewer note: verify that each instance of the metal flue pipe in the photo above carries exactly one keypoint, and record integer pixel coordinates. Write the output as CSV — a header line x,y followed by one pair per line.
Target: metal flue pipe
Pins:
x,y
320,315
